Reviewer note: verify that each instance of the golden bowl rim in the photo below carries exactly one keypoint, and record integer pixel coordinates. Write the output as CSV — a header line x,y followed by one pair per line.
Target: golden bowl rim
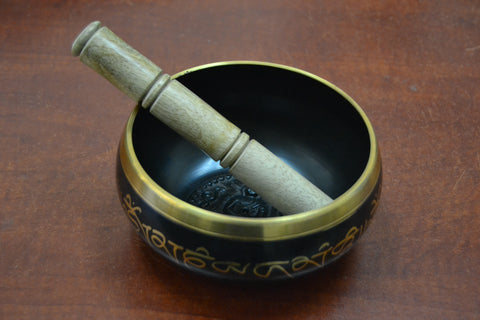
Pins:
x,y
244,228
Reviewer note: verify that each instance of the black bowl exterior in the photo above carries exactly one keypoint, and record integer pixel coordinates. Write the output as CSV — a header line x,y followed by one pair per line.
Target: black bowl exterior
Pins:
x,y
238,259
243,248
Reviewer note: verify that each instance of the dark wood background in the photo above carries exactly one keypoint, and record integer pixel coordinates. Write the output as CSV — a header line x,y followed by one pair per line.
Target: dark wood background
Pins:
x,y
68,252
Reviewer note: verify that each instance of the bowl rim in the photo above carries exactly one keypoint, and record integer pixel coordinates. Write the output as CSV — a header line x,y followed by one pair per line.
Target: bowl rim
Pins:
x,y
244,228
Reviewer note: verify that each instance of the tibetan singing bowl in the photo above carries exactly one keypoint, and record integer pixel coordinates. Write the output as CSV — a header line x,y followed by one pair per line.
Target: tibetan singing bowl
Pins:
x,y
191,211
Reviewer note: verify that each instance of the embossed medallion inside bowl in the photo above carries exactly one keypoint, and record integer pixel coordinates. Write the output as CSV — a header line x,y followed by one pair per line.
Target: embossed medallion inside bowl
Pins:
x,y
225,194
195,214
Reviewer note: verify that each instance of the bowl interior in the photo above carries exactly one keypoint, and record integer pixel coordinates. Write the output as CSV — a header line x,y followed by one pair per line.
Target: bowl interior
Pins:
x,y
303,120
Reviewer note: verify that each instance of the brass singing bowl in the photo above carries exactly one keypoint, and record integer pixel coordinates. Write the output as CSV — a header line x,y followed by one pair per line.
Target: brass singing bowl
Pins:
x,y
188,208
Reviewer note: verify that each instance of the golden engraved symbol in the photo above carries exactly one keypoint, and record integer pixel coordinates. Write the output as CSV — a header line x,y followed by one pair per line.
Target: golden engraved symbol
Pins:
x,y
132,211
197,258
346,243
301,262
227,266
154,238
265,269
324,250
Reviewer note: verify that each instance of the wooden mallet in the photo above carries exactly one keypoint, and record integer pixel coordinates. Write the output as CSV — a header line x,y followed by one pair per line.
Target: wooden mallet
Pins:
x,y
191,117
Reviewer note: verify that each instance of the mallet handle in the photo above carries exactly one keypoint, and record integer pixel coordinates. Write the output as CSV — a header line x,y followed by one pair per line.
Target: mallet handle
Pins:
x,y
191,117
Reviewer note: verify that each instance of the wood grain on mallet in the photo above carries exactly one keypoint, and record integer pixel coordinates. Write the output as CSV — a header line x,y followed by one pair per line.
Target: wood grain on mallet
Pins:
x,y
191,117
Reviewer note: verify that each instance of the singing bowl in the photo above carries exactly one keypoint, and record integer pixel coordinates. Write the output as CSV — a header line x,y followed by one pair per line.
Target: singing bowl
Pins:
x,y
192,212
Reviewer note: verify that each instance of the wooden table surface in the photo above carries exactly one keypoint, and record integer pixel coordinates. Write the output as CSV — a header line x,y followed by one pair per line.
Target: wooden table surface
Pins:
x,y
67,250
